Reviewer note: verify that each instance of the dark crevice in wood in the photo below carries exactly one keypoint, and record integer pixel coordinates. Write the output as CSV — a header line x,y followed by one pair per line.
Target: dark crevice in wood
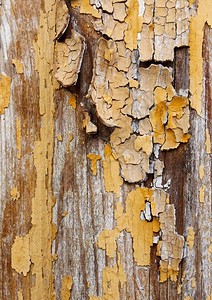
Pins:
x,y
181,69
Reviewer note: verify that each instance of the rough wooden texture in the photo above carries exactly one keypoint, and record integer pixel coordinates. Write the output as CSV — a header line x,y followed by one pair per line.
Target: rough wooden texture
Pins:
x,y
104,195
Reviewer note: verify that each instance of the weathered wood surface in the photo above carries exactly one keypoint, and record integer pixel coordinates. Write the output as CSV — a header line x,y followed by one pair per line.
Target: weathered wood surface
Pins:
x,y
44,155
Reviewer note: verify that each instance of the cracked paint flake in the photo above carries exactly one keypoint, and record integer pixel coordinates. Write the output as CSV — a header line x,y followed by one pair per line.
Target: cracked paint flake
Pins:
x,y
18,137
190,238
170,248
4,92
90,127
15,193
62,18
94,158
69,56
65,291
18,66
124,93
86,8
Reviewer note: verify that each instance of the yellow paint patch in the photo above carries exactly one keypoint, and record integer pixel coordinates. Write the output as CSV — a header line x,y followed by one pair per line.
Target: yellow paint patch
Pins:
x,y
69,141
4,92
86,8
20,254
107,241
18,66
112,278
18,136
196,60
193,283
141,230
64,214
59,137
190,238
202,194
15,193
72,101
134,22
66,288
111,170
94,158
207,141
201,172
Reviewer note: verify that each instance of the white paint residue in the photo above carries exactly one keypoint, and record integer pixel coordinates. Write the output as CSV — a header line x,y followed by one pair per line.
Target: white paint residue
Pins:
x,y
6,35
141,7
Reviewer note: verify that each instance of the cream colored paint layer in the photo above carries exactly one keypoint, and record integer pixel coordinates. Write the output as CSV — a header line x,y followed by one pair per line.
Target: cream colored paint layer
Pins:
x,y
4,92
196,60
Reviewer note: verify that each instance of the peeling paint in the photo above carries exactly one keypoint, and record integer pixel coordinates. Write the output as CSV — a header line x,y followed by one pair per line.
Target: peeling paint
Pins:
x,y
4,92
18,66
66,288
197,24
88,125
190,238
111,171
20,254
170,248
94,158
15,193
207,141
59,137
201,172
72,101
202,194
69,56
69,141
35,247
112,278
